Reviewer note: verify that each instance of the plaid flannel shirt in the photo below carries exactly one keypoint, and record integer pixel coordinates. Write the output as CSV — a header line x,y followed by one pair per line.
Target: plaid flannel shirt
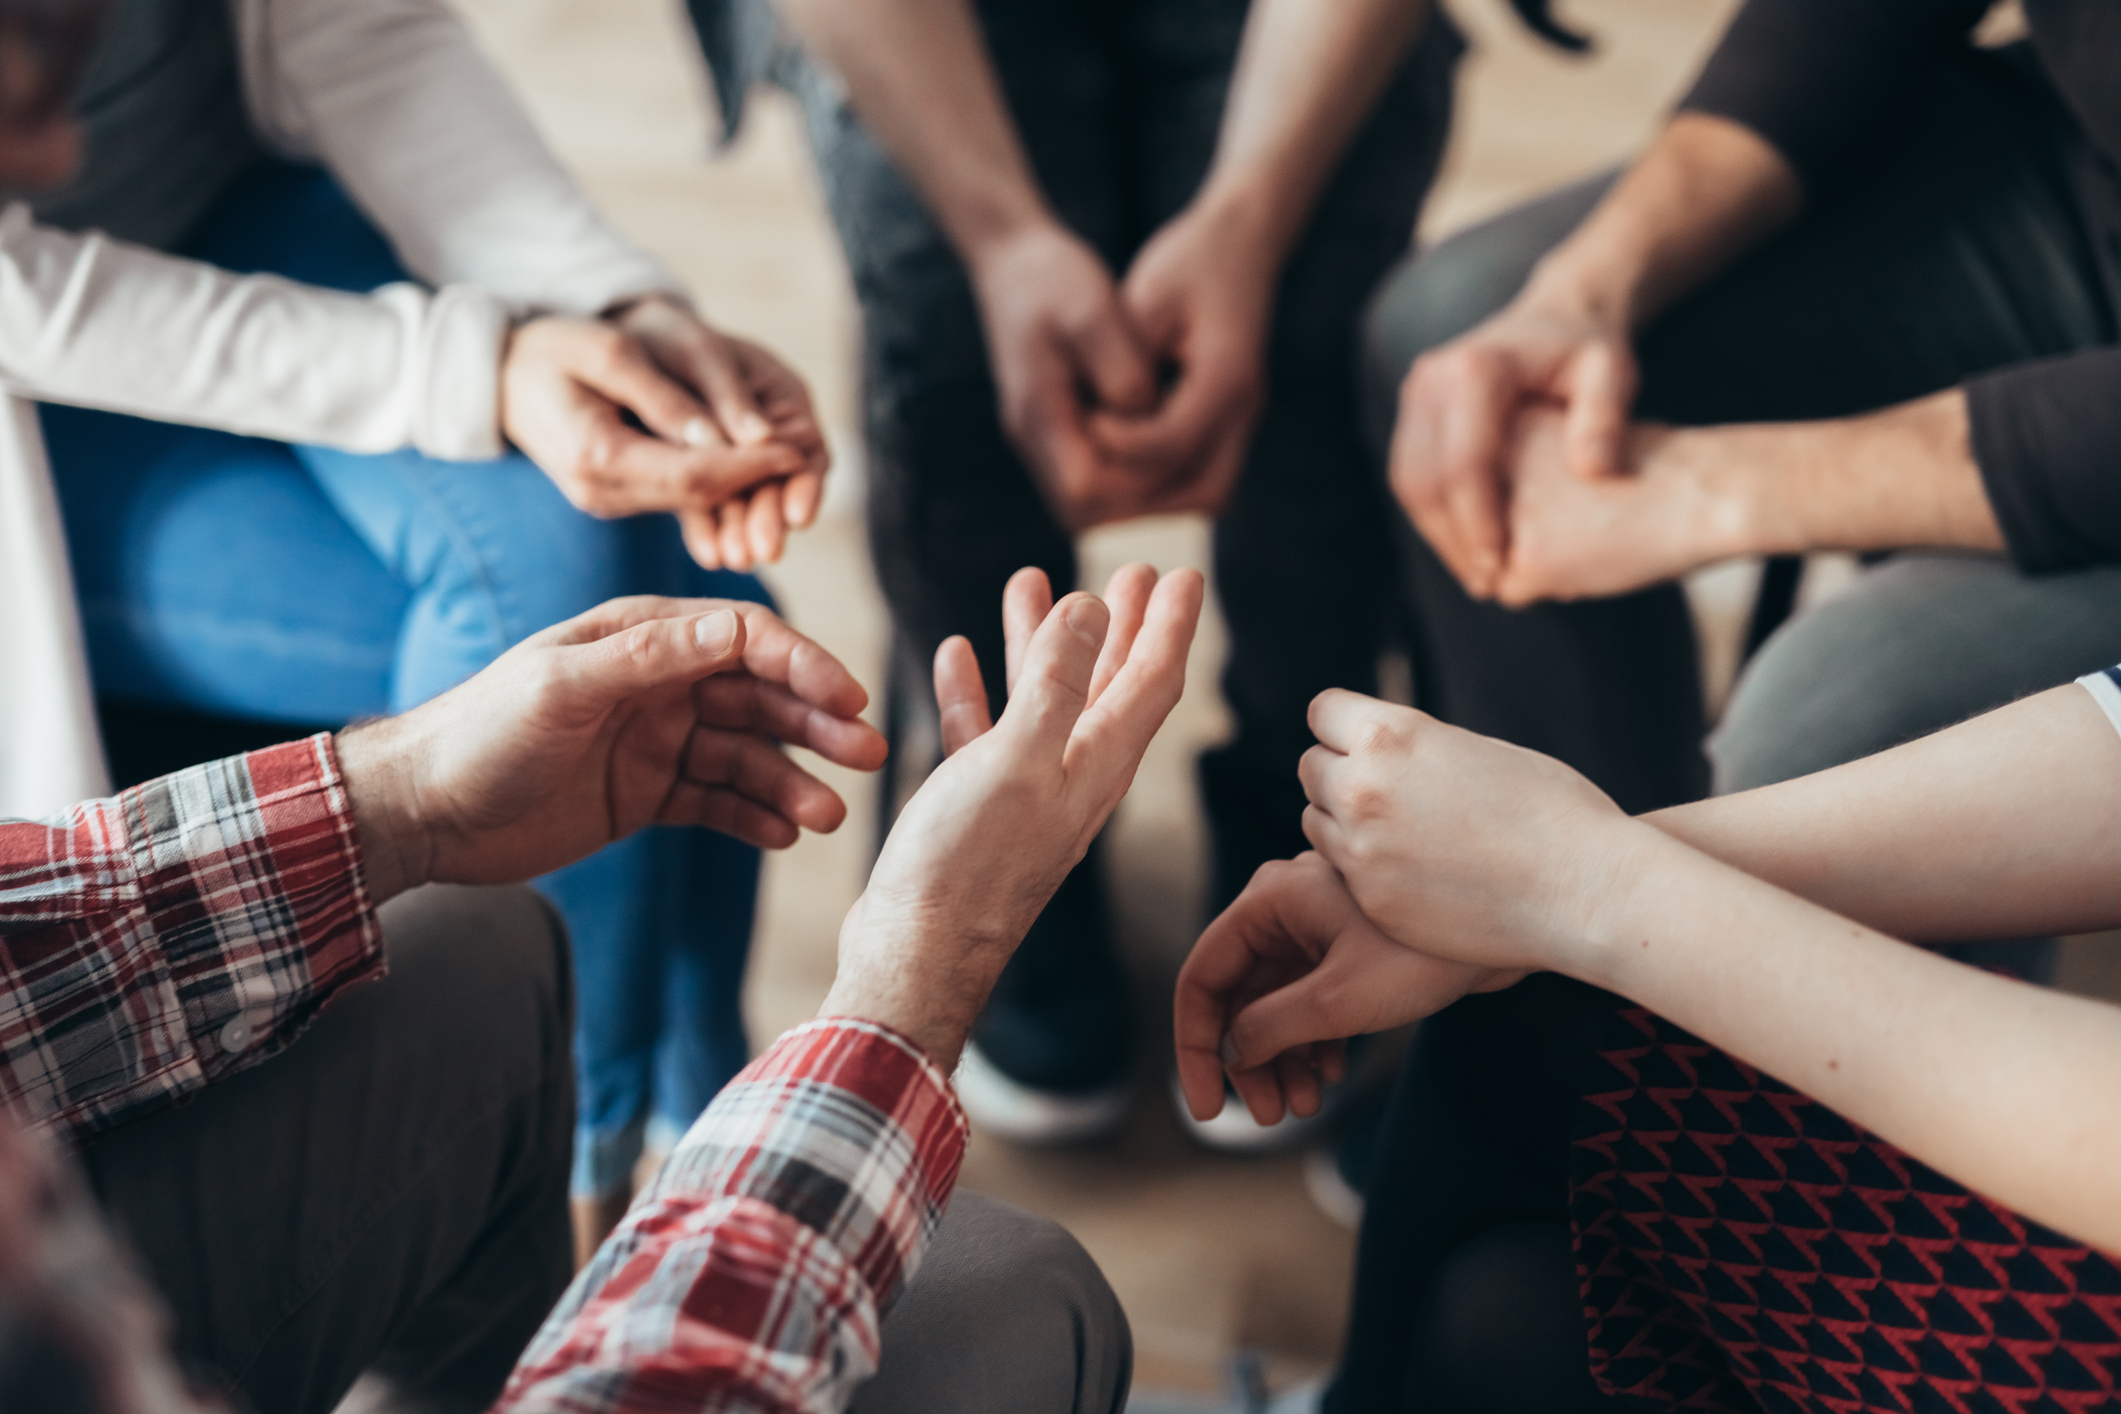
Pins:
x,y
755,1273
155,942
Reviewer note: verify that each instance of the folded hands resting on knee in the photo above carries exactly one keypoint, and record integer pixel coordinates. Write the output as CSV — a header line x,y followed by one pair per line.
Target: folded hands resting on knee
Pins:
x,y
652,410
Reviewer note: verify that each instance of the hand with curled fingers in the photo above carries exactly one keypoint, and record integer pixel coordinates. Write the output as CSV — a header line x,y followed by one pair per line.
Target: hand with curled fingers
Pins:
x,y
1280,981
989,836
643,711
654,411
1458,409
1063,349
1200,295
1463,847
1573,537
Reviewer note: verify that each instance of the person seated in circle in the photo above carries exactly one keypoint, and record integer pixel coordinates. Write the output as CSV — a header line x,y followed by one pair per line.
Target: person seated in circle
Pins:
x,y
1758,1153
345,387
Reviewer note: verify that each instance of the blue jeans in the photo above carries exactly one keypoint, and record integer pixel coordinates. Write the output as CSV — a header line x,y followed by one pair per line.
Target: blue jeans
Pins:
x,y
300,584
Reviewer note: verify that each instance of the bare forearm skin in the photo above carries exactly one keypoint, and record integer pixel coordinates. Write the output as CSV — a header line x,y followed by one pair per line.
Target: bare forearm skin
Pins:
x,y
1900,478
1307,77
1704,192
921,77
2005,826
1987,1080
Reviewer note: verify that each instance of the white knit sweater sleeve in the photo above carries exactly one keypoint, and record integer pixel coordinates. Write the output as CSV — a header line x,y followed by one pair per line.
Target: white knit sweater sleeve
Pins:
x,y
396,99
98,323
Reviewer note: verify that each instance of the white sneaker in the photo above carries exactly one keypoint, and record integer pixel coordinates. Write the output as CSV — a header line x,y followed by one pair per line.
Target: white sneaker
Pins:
x,y
1234,1131
1011,1110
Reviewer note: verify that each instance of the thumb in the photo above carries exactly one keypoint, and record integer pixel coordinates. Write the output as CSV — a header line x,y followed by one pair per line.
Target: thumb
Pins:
x,y
1601,393
1306,1010
658,653
1118,367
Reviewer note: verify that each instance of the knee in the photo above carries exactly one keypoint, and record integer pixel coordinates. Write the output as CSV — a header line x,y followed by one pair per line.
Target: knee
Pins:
x,y
1001,1280
489,974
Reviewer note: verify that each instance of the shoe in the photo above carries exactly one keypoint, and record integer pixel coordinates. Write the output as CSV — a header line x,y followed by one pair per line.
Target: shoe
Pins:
x,y
1051,1060
1234,1131
1337,1175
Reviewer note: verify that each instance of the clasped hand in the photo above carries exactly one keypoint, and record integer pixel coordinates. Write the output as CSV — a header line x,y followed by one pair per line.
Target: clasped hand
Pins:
x,y
1130,398
720,434
1443,863
1517,460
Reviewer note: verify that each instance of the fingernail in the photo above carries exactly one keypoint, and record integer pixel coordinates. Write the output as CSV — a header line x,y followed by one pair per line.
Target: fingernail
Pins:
x,y
715,632
755,427
698,433
1229,1053
1082,617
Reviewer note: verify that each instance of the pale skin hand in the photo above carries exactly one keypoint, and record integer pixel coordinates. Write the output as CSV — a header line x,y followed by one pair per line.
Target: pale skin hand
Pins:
x,y
1687,497
642,711
754,400
988,837
1705,191
1201,291
1485,855
1056,332
730,445
1279,981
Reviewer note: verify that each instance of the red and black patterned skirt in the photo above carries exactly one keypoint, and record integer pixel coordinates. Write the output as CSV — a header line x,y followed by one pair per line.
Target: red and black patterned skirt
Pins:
x,y
1743,1248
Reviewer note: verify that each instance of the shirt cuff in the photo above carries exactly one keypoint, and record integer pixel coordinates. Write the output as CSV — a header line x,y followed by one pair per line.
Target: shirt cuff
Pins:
x,y
251,875
2105,688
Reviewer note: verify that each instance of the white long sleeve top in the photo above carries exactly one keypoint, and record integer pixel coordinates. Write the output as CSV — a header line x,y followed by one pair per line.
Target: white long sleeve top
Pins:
x,y
394,97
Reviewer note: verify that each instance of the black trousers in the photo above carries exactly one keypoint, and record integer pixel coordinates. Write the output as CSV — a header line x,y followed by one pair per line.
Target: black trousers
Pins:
x,y
1967,253
388,1194
1119,103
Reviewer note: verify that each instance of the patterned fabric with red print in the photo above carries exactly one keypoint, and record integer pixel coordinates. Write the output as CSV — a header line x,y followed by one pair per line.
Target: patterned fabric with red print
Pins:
x,y
1744,1248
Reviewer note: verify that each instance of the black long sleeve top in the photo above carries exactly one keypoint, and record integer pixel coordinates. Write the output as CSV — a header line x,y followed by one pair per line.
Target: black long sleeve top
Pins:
x,y
1825,82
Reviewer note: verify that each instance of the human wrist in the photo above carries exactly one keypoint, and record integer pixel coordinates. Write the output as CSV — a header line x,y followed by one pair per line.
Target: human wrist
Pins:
x,y
1608,915
396,851
904,978
1585,288
1727,486
1249,222
987,232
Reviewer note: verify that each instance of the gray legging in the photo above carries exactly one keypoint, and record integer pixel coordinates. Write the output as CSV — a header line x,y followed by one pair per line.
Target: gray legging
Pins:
x,y
1967,253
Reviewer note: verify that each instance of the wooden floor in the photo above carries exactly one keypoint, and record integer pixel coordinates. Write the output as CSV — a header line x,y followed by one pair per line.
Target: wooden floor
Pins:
x,y
1208,1254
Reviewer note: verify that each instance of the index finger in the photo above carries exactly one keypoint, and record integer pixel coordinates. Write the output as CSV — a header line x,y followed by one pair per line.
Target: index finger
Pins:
x,y
776,652
1116,730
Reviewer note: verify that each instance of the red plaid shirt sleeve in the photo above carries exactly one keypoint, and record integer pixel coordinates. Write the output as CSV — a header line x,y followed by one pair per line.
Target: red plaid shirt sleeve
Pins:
x,y
755,1273
155,942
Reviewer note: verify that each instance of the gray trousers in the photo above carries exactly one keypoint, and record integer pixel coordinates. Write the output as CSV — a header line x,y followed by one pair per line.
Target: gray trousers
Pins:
x,y
389,1196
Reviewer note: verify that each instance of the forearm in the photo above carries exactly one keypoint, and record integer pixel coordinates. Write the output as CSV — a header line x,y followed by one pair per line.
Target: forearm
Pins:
x,y
1904,477
1306,78
185,929
95,322
921,78
834,1154
1706,191
1978,1076
2008,825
